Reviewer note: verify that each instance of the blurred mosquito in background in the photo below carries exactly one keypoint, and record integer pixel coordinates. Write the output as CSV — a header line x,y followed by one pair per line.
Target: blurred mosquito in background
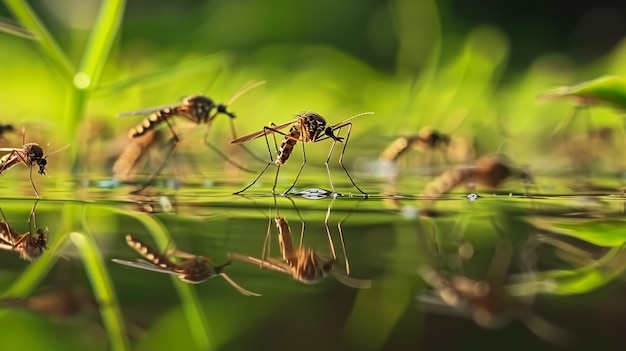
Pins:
x,y
28,245
307,127
302,263
193,269
5,128
198,109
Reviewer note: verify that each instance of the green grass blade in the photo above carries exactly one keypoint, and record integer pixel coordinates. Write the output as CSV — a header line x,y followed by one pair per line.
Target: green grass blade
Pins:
x,y
29,19
103,290
189,300
99,43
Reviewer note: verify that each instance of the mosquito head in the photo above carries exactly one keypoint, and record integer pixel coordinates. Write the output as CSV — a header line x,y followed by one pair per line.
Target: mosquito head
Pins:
x,y
329,132
35,155
42,238
42,162
219,269
221,108
433,137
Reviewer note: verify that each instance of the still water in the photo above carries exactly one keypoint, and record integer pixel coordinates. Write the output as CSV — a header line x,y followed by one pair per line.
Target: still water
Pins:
x,y
517,269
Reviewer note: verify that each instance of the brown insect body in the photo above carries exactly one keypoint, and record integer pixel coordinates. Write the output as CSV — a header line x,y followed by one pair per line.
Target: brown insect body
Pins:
x,y
30,154
193,269
426,139
308,127
195,108
313,126
134,152
27,245
303,264
488,171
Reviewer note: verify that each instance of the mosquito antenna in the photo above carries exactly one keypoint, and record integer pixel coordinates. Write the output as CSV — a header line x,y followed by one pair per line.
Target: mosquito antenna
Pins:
x,y
244,89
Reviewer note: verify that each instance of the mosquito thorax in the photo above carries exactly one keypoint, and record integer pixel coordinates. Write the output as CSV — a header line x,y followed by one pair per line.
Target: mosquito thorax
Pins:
x,y
199,105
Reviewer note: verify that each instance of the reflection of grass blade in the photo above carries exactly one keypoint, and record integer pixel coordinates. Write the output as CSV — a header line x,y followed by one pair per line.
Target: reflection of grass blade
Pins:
x,y
13,29
99,43
29,19
103,290
165,75
189,299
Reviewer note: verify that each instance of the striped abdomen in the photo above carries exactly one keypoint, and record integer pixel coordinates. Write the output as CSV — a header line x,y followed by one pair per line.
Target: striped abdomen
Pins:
x,y
9,160
149,253
286,146
152,121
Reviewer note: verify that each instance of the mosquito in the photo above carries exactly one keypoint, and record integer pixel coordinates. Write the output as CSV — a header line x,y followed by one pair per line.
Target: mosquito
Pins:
x,y
193,269
426,139
307,127
198,109
30,154
29,246
302,263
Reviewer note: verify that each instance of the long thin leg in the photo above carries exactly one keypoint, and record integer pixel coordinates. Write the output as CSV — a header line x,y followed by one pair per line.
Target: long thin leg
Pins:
x,y
32,216
234,133
269,151
30,177
330,238
223,155
330,153
345,144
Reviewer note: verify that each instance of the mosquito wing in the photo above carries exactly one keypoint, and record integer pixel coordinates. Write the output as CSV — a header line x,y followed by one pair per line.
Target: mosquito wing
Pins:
x,y
146,111
269,263
262,132
142,264
346,121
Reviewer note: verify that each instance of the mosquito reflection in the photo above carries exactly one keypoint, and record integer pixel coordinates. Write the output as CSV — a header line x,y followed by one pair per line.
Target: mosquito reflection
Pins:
x,y
30,246
303,263
488,300
192,269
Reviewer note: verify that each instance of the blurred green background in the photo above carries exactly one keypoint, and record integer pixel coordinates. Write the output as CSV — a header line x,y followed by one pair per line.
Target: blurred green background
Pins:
x,y
470,67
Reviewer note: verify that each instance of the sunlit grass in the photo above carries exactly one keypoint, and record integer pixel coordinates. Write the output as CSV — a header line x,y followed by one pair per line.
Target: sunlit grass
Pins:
x,y
103,290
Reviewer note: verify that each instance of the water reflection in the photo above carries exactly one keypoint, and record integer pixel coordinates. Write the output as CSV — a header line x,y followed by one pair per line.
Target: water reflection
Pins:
x,y
29,246
302,263
498,262
193,269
